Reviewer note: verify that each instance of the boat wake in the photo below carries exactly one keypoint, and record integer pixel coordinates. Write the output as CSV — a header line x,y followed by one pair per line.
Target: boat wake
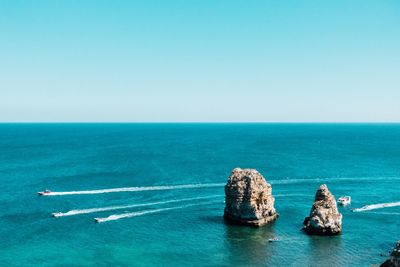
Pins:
x,y
134,189
93,210
335,179
377,206
382,213
141,213
292,195
210,185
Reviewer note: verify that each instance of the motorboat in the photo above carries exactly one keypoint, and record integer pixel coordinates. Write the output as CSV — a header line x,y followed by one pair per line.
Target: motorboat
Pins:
x,y
45,192
345,200
274,239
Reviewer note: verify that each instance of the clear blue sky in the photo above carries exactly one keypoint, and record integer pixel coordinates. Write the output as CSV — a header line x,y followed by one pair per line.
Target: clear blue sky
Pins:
x,y
204,60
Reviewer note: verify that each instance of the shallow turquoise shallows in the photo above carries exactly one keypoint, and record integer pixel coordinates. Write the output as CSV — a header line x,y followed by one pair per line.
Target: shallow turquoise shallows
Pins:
x,y
178,171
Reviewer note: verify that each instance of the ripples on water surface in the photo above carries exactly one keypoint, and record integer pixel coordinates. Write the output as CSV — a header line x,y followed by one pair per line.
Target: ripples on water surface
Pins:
x,y
359,160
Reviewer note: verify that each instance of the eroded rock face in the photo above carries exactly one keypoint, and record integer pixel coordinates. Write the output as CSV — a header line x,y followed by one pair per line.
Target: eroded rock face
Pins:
x,y
248,198
394,260
324,218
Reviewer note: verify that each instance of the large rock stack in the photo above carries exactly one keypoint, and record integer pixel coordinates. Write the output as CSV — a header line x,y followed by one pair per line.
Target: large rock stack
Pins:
x,y
394,260
248,198
324,218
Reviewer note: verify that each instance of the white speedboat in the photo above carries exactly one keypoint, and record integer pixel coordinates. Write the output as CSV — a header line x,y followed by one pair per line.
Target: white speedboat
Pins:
x,y
345,200
274,239
57,214
45,192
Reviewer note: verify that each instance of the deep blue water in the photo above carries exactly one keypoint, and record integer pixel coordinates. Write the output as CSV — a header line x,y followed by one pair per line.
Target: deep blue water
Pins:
x,y
361,160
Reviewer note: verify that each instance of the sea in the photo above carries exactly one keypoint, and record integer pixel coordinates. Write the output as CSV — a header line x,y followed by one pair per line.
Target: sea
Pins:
x,y
157,191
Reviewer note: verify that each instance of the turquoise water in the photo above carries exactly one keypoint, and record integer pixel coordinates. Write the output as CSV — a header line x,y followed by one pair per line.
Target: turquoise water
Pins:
x,y
360,160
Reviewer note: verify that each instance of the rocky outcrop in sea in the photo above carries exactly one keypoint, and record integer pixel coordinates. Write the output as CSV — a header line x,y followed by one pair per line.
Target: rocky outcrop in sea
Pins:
x,y
394,260
324,218
248,198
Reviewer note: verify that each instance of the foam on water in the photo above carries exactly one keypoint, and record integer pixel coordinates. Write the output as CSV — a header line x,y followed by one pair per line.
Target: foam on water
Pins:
x,y
382,213
93,210
115,217
330,180
210,185
134,189
292,195
377,206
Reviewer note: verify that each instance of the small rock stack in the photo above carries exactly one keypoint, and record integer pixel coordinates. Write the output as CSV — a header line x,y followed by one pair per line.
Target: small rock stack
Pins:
x,y
248,198
394,260
324,218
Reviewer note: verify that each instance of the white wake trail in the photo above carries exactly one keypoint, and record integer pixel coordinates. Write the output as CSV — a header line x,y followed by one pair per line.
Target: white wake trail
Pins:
x,y
382,213
377,206
134,189
140,213
292,195
331,180
193,186
93,210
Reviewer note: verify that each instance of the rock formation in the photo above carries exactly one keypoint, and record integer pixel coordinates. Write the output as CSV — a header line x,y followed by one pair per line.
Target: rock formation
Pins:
x,y
324,218
248,198
394,260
